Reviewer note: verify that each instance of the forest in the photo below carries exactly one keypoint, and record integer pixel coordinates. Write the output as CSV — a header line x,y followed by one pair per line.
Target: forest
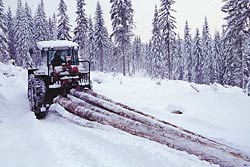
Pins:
x,y
223,57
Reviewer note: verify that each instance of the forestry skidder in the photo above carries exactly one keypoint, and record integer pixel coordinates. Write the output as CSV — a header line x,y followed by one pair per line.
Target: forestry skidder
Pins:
x,y
59,71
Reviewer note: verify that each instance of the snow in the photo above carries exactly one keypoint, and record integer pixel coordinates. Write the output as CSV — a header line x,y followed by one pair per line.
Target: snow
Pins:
x,y
66,140
56,44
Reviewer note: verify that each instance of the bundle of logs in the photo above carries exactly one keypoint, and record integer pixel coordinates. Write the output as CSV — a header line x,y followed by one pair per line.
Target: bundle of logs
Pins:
x,y
94,107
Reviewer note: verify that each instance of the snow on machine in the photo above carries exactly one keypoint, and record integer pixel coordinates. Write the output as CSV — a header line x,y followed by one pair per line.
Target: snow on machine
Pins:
x,y
59,71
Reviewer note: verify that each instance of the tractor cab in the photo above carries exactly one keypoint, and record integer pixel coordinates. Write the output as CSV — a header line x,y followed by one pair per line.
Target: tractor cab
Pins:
x,y
59,70
64,68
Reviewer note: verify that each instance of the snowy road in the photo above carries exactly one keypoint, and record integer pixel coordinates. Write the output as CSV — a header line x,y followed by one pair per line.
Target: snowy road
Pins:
x,y
27,142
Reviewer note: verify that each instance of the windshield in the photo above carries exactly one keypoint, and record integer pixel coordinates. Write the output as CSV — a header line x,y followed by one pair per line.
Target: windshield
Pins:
x,y
69,56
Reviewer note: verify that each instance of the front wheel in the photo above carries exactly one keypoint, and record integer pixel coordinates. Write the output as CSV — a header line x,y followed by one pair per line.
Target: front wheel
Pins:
x,y
37,93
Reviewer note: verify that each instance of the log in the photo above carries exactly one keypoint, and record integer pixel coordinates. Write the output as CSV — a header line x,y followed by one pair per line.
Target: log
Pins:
x,y
193,136
111,107
94,113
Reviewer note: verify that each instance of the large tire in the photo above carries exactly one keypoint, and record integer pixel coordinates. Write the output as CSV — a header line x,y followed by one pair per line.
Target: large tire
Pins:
x,y
36,94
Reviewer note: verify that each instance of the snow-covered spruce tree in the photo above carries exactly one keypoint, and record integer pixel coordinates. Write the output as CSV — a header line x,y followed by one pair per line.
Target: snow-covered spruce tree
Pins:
x,y
30,22
208,59
219,58
63,22
136,61
187,53
53,28
122,23
41,23
148,65
4,54
81,29
197,57
22,31
228,52
18,31
246,60
11,34
91,44
156,51
167,26
238,14
101,38
179,60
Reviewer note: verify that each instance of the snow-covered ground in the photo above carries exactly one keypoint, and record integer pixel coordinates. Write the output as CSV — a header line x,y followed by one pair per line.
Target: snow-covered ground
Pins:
x,y
217,112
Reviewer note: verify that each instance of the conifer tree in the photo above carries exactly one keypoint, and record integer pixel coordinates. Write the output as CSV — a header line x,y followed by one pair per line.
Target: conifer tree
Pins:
x,y
4,54
136,61
167,25
81,30
63,22
53,28
187,53
208,59
30,23
18,31
179,60
148,64
22,31
101,38
41,23
237,32
197,58
122,23
228,52
91,44
11,34
219,58
246,61
156,51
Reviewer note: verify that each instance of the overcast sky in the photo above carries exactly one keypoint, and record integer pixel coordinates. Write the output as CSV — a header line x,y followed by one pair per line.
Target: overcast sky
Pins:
x,y
192,10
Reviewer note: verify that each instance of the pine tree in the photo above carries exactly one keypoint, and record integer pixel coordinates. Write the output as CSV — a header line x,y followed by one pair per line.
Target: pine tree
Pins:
x,y
122,23
208,59
187,53
80,32
219,58
22,31
228,52
197,58
136,61
179,60
156,49
167,25
63,22
11,34
91,45
52,28
101,38
237,33
18,31
4,54
246,61
30,23
148,64
41,24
